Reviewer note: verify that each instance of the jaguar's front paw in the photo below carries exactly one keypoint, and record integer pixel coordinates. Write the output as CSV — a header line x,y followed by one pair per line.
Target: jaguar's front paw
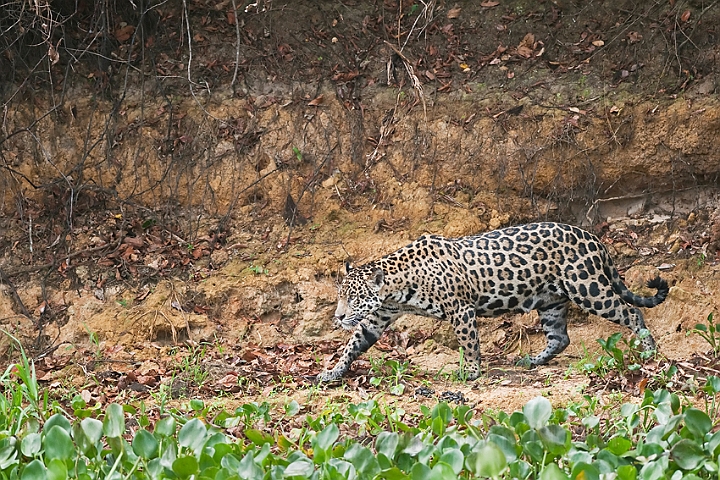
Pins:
x,y
469,372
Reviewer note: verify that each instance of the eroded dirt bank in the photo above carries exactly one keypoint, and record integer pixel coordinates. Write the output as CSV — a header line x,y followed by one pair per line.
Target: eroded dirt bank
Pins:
x,y
160,211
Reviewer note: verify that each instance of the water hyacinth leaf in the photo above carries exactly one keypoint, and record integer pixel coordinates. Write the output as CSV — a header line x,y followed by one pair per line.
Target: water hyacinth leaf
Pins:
x,y
463,414
532,445
691,476
58,444
145,445
537,412
114,423
185,465
165,426
628,409
8,457
393,473
326,438
384,462
345,469
508,447
555,439
520,469
590,422
257,437
607,461
248,469
192,435
516,418
363,460
230,462
713,443
168,454
619,445
427,454
57,470
31,445
653,470
34,470
712,385
487,461
585,471
687,454
698,422
553,472
663,413
420,471
447,443
578,456
58,420
443,411
292,408
93,429
454,458
301,467
626,472
443,471
386,443
414,447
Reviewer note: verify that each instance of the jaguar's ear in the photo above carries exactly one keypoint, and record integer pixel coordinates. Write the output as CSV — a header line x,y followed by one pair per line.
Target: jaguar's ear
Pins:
x,y
348,267
378,277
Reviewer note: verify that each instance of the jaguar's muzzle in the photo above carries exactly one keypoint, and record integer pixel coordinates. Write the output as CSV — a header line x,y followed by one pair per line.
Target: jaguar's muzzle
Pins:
x,y
346,322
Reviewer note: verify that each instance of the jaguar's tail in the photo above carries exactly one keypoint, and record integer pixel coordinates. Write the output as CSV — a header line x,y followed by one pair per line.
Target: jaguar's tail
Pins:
x,y
657,283
619,287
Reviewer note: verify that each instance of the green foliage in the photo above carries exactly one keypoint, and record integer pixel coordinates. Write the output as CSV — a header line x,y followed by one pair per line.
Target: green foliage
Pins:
x,y
390,372
710,333
657,438
258,270
619,355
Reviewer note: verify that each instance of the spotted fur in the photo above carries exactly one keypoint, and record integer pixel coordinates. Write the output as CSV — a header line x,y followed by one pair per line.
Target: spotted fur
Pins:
x,y
539,266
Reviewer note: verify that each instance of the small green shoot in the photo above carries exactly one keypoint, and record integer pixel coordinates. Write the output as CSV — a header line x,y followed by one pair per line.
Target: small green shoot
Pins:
x,y
258,270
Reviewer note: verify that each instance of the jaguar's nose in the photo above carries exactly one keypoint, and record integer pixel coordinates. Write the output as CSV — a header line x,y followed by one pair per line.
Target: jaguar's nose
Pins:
x,y
339,318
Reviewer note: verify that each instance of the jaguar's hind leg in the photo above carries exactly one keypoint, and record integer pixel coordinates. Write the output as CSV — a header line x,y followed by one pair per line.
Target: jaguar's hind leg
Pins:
x,y
631,317
553,318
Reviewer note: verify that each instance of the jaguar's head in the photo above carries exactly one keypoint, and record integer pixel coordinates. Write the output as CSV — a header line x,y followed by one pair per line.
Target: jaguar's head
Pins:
x,y
358,294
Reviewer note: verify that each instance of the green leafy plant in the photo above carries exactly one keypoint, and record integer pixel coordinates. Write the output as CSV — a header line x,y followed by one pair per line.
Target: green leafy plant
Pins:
x,y
710,333
620,355
659,437
391,372
258,270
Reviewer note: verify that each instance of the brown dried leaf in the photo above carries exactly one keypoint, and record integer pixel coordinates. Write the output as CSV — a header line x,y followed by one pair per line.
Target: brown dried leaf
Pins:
x,y
634,36
316,101
228,381
525,49
489,4
685,16
136,242
454,12
124,33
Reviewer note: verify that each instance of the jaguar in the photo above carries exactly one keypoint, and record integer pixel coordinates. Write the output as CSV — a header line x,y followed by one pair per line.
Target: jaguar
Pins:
x,y
537,266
